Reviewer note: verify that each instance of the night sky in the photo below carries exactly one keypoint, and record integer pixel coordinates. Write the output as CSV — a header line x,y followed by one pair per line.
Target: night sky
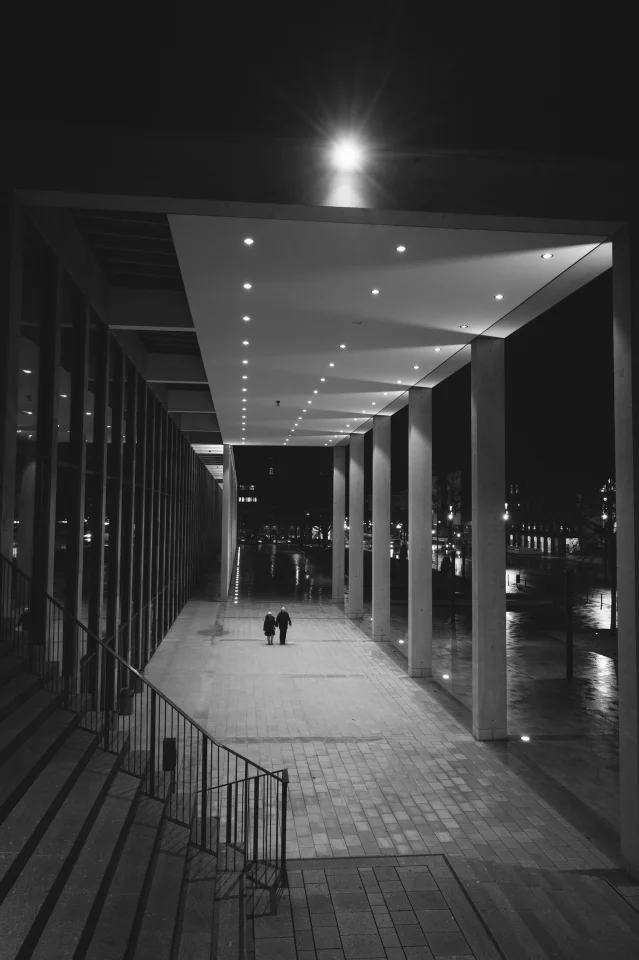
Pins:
x,y
545,78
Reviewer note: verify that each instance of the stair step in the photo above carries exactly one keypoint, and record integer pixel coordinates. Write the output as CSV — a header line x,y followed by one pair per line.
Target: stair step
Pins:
x,y
23,766
70,925
594,926
158,926
547,924
29,903
11,666
24,720
28,821
115,928
195,931
16,691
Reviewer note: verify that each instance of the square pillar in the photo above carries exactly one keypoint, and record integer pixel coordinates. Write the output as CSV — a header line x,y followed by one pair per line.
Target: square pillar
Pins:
x,y
488,462
355,608
420,497
227,521
626,362
381,526
339,519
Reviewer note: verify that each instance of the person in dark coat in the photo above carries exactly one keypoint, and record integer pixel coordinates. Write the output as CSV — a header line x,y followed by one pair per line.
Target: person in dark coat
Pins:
x,y
269,627
284,622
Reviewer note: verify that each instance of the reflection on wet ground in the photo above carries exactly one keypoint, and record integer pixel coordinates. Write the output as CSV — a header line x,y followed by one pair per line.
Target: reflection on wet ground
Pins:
x,y
573,724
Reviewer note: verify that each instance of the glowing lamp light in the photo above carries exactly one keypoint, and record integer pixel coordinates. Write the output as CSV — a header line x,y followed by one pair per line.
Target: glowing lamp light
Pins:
x,y
525,739
547,256
446,676
347,155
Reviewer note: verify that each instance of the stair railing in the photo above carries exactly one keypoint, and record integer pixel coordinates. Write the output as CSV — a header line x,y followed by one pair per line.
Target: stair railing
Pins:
x,y
233,801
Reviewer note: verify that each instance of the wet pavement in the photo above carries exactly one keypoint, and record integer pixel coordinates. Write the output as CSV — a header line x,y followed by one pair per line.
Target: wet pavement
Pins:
x,y
381,764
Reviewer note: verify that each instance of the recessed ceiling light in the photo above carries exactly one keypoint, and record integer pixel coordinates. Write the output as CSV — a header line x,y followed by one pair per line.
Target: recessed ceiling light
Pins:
x,y
342,346
526,739
348,424
401,249
463,326
304,410
373,404
246,318
499,296
415,367
438,349
249,241
65,395
547,256
244,377
243,416
309,401
88,413
26,371
375,292
331,364
245,343
248,286
322,380
399,381
315,391
243,389
385,393
244,361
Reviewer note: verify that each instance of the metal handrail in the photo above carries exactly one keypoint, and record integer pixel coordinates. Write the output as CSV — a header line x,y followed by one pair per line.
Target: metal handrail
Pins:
x,y
133,718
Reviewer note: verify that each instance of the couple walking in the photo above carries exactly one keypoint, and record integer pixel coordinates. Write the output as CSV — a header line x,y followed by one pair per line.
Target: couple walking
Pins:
x,y
283,621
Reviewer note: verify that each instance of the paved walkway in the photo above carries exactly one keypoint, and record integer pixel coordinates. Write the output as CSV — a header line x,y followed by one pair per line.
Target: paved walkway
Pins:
x,y
378,763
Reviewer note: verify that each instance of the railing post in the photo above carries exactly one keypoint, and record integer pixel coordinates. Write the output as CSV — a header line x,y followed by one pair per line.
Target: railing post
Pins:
x,y
569,646
256,818
229,811
152,744
284,805
205,774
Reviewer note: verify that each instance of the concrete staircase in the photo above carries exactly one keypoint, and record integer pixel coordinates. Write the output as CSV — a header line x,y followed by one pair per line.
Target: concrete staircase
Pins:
x,y
548,914
90,867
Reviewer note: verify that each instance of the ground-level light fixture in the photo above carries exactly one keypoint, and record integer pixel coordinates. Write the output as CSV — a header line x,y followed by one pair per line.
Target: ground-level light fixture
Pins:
x,y
342,346
244,389
375,292
245,343
315,391
446,676
246,319
463,326
438,349
249,241
525,739
547,256
331,364
499,296
416,367
401,248
248,286
25,371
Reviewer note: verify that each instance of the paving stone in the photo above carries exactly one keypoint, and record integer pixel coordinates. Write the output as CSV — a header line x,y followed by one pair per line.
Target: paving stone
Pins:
x,y
355,923
344,900
447,944
304,940
397,900
275,949
363,948
273,927
327,938
436,921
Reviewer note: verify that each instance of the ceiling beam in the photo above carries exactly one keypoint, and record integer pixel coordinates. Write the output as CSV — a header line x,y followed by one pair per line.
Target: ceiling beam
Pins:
x,y
189,401
175,368
149,310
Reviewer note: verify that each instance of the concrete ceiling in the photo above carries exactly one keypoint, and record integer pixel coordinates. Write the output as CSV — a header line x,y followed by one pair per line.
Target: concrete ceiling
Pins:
x,y
311,291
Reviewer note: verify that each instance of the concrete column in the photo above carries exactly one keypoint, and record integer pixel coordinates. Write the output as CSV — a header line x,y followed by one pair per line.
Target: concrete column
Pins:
x,y
339,518
420,497
626,363
381,526
489,575
355,609
11,274
26,506
227,511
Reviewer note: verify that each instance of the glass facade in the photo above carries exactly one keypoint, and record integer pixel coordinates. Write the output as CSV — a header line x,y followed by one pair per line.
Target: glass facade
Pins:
x,y
115,516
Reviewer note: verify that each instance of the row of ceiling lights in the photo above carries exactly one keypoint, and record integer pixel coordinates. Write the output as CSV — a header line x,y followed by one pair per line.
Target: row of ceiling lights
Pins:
x,y
249,241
